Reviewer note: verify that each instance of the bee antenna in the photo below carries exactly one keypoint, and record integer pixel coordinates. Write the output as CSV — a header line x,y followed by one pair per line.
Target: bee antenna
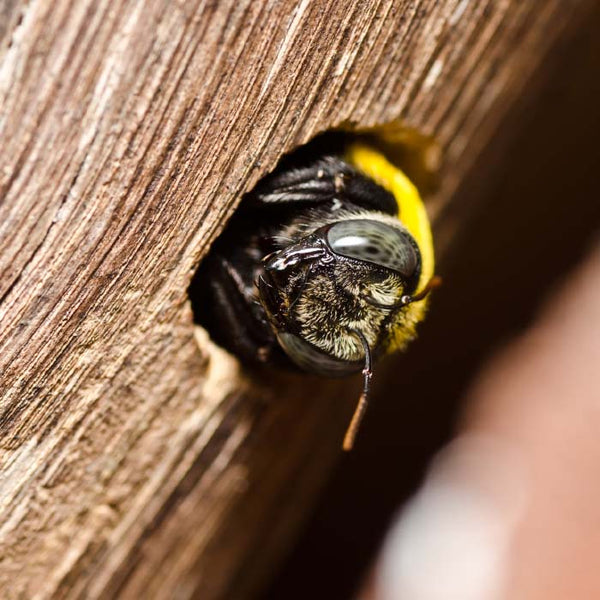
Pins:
x,y
433,283
361,407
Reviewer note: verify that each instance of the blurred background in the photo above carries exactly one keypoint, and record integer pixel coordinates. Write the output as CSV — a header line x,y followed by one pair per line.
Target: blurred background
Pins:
x,y
539,219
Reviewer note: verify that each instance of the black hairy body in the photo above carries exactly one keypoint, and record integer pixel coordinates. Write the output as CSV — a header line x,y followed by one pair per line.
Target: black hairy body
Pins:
x,y
271,287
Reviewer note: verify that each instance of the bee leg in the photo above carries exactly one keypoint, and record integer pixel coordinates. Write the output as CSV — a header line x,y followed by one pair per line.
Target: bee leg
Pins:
x,y
322,181
305,185
229,311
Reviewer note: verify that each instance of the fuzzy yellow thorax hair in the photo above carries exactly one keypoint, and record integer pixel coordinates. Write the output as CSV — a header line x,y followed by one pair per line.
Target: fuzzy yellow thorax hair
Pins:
x,y
412,214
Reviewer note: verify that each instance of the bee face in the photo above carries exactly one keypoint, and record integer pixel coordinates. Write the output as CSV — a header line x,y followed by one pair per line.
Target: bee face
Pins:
x,y
346,277
317,270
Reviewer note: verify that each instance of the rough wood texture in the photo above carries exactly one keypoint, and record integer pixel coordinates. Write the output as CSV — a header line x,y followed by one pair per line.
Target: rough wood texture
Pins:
x,y
135,461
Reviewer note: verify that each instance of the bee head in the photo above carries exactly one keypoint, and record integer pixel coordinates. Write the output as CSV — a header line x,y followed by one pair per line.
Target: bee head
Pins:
x,y
338,288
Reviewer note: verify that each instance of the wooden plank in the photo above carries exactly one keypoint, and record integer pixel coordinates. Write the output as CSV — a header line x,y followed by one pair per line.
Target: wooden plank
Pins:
x,y
135,460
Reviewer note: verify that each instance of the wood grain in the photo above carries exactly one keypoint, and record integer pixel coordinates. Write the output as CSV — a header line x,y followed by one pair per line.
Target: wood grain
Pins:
x,y
135,460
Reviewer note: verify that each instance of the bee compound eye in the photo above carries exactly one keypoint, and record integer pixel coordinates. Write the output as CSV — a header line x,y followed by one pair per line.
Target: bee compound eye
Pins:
x,y
310,359
375,242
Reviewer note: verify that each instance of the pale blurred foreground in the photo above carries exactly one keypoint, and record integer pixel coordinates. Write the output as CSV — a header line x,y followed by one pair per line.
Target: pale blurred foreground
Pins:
x,y
511,508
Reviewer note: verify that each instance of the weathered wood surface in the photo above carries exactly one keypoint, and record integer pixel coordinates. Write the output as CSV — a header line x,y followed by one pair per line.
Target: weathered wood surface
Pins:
x,y
135,461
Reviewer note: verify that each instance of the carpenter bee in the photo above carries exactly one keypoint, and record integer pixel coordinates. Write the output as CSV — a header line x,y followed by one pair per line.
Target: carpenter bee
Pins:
x,y
326,266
